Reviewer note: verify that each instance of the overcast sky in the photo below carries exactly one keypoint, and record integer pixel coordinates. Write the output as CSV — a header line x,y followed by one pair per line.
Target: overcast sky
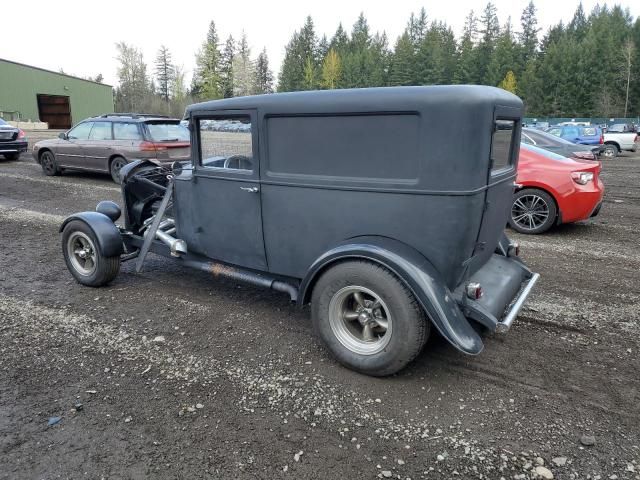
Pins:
x,y
79,36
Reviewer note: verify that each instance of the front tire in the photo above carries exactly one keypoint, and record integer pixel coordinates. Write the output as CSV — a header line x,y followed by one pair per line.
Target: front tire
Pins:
x,y
83,257
48,164
114,168
367,318
533,211
610,151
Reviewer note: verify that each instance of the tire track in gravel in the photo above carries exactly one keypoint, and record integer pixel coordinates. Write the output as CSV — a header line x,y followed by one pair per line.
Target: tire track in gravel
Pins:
x,y
59,182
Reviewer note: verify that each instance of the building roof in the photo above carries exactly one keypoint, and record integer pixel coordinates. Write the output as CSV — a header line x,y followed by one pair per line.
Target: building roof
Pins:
x,y
55,73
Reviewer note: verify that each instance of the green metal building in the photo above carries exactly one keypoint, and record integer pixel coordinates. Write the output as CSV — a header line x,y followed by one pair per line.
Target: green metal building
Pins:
x,y
34,94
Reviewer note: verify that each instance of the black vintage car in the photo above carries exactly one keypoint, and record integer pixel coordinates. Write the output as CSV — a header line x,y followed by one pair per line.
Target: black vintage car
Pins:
x,y
363,203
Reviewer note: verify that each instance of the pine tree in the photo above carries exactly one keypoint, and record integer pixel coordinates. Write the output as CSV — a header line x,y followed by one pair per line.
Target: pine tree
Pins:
x,y
264,77
402,61
504,57
467,66
309,74
417,27
206,80
226,68
490,28
302,48
243,69
165,74
528,37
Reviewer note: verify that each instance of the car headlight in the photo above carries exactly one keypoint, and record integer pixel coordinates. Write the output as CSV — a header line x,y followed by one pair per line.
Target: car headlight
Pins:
x,y
582,178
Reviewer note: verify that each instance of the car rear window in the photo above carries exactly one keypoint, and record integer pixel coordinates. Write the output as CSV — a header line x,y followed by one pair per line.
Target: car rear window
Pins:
x,y
168,132
501,144
588,131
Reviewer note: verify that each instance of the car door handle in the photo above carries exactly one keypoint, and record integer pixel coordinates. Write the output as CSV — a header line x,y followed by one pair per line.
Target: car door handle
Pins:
x,y
250,189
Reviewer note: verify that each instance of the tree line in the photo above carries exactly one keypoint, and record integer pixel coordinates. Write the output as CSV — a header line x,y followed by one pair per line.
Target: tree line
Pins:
x,y
587,67
222,70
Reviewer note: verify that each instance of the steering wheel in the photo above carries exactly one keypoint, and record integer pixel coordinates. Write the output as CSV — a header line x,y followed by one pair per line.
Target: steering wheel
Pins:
x,y
244,162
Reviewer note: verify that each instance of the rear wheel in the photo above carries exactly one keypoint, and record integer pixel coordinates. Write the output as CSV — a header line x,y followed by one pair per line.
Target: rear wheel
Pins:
x,y
116,164
368,318
533,211
48,164
83,257
610,151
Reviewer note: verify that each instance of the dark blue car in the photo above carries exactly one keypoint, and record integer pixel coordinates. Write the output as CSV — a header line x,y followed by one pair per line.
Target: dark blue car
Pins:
x,y
583,135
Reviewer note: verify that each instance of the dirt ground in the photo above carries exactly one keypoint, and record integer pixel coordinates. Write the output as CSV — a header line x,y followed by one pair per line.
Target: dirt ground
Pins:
x,y
238,387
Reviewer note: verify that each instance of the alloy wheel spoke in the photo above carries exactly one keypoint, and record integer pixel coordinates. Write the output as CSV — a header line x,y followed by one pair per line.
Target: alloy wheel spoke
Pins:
x,y
359,299
367,333
383,323
351,315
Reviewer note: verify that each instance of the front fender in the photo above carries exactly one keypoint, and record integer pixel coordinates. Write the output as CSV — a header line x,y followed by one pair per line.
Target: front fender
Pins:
x,y
106,232
416,272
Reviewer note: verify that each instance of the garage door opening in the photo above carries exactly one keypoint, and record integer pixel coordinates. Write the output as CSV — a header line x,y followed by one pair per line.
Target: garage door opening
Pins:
x,y
55,110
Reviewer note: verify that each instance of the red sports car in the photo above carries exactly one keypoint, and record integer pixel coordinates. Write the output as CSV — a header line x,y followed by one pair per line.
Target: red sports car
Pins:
x,y
553,189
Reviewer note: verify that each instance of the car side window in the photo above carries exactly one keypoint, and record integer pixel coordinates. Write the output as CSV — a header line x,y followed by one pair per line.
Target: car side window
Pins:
x,y
556,131
126,131
501,144
80,132
100,131
226,143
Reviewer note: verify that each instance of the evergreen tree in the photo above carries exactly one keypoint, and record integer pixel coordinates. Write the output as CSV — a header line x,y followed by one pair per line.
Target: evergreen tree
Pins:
x,y
206,80
467,67
489,29
226,68
264,77
243,70
302,48
528,37
504,57
402,61
417,27
164,73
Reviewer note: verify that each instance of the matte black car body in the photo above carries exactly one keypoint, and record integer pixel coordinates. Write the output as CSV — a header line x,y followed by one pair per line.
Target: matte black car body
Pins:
x,y
366,174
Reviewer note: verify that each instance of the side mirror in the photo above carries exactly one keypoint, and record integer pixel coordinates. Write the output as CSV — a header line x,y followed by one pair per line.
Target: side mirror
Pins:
x,y
62,136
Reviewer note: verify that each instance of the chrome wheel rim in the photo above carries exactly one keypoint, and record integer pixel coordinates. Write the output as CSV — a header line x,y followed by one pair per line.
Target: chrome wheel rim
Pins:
x,y
530,211
82,253
116,165
47,162
608,152
360,320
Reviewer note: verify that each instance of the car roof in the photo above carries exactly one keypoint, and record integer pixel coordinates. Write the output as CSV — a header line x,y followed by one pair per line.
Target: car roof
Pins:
x,y
140,117
365,100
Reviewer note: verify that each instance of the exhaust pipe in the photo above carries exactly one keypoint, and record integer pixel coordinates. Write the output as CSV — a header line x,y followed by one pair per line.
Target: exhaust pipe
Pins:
x,y
176,246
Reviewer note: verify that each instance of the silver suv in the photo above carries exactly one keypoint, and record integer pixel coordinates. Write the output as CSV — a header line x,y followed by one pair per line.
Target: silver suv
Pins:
x,y
108,142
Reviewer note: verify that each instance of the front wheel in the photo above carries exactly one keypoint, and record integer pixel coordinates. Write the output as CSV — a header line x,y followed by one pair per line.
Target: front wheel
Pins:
x,y
83,257
368,318
610,151
48,164
533,211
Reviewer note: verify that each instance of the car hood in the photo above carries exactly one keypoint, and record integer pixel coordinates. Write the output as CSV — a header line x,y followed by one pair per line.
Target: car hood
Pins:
x,y
47,143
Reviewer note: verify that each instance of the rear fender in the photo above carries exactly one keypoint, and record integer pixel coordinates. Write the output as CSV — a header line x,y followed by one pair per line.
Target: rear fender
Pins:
x,y
418,274
106,232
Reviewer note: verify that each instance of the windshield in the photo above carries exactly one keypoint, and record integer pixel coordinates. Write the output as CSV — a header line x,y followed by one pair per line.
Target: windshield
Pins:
x,y
168,132
544,153
545,139
2,122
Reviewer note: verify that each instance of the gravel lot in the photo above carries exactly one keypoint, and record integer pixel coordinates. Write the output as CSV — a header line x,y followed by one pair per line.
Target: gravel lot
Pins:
x,y
171,374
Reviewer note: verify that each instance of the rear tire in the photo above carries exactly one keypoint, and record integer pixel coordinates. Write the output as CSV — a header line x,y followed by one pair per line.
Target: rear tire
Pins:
x,y
48,164
367,318
610,151
84,258
114,168
533,211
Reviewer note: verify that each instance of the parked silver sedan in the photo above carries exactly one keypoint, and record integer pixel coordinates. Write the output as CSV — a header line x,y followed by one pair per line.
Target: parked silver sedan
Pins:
x,y
107,143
